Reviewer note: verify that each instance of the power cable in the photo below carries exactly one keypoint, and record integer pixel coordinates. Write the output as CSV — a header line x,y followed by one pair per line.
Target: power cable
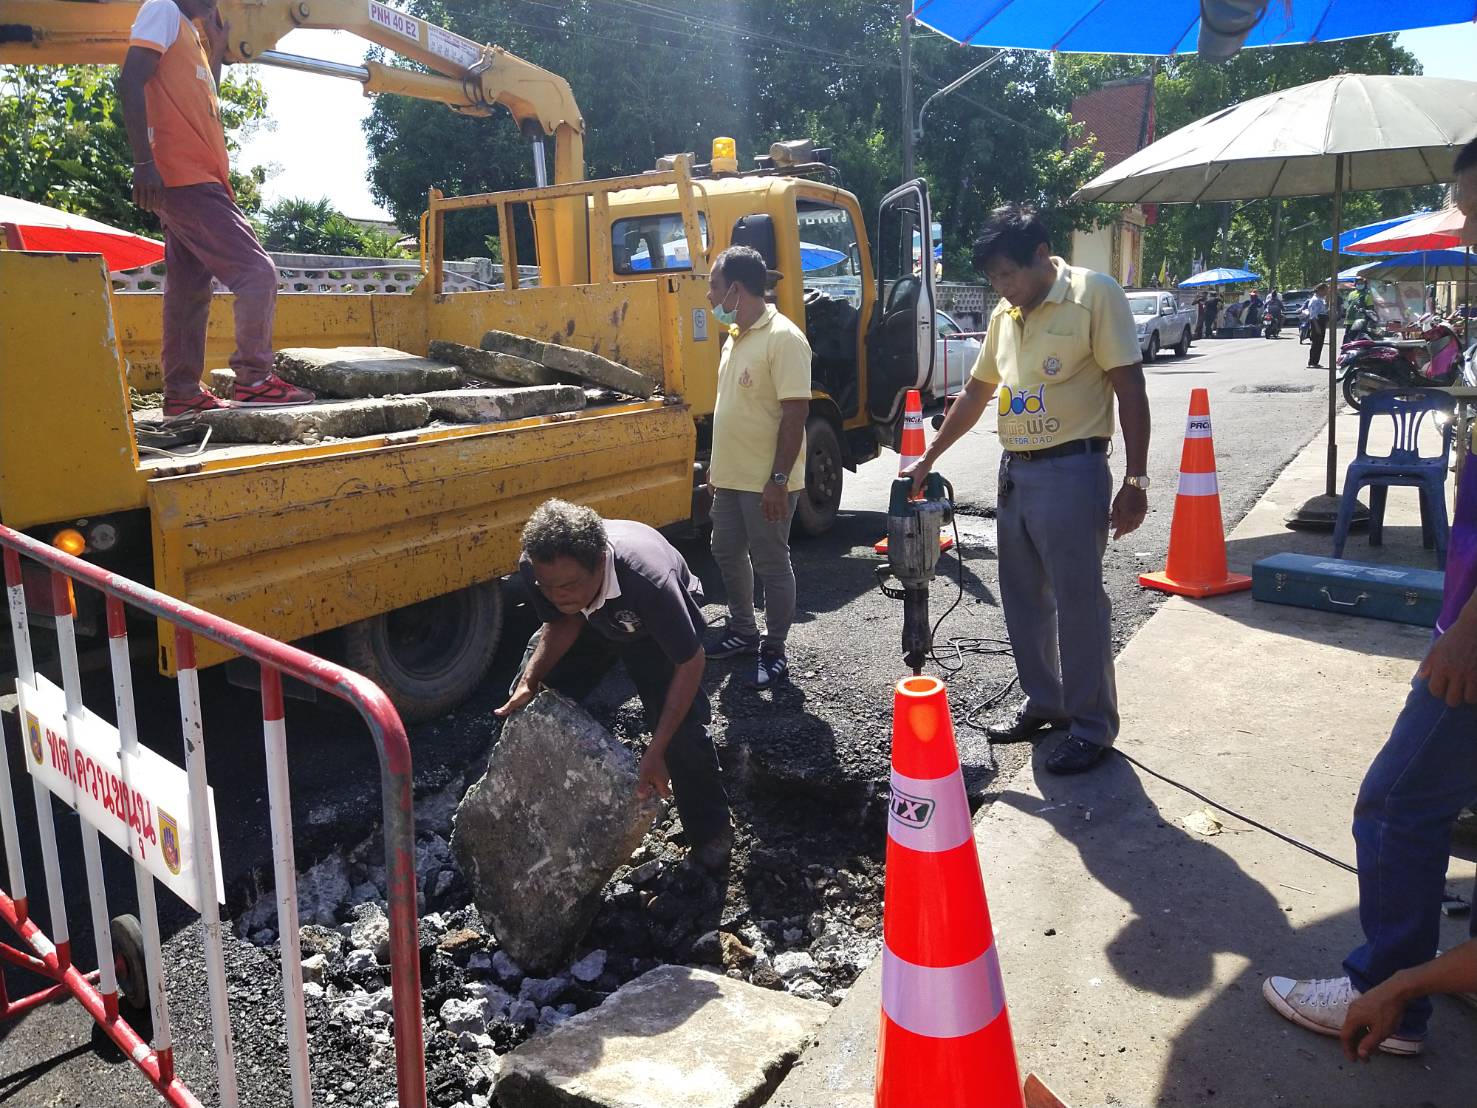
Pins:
x,y
1001,648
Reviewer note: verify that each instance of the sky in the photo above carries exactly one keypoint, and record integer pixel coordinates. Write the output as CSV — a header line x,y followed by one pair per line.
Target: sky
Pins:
x,y
315,146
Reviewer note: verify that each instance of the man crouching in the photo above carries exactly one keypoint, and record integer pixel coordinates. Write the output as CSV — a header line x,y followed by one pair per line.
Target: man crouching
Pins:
x,y
616,590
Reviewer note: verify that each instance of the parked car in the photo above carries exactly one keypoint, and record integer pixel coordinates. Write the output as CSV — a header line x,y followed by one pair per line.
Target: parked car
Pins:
x,y
955,352
1161,323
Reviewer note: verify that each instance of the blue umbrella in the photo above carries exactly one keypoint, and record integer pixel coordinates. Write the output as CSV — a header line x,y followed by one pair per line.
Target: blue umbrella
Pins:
x,y
1219,277
1168,26
1417,264
1359,234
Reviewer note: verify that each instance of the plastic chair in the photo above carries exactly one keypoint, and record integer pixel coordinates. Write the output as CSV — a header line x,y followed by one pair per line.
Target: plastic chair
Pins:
x,y
1408,410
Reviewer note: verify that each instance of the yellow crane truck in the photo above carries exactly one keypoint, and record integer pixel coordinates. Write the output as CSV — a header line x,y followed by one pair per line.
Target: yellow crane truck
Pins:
x,y
398,542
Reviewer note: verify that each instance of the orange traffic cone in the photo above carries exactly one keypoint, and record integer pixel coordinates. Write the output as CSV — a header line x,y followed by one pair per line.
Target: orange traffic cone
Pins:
x,y
1197,539
945,1035
911,450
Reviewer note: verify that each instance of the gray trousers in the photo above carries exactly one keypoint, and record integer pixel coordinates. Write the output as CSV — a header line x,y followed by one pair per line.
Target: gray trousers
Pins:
x,y
745,544
1052,517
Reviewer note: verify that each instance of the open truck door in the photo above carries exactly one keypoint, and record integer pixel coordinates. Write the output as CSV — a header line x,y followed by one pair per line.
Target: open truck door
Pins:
x,y
900,337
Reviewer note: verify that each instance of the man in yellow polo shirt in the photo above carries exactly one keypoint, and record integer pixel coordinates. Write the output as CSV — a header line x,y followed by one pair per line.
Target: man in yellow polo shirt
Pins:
x,y
1061,346
758,464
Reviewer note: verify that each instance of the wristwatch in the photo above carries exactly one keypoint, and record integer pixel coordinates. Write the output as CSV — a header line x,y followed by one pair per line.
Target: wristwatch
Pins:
x,y
1140,482
780,479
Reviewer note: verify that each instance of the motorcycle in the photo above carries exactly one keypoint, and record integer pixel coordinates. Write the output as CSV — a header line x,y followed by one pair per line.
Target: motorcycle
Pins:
x,y
1272,325
1370,361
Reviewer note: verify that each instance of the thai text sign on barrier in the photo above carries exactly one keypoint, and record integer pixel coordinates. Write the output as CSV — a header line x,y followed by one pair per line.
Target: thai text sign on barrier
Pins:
x,y
148,814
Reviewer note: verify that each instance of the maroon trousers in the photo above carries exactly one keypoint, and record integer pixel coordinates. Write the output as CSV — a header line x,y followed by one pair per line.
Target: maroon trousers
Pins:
x,y
205,236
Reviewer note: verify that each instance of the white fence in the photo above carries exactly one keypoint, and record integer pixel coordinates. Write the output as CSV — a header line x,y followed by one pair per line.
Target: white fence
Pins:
x,y
316,273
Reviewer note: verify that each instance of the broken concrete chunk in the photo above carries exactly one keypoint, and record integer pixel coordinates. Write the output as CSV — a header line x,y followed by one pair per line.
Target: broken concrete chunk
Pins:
x,y
519,346
357,371
598,370
493,405
490,365
579,363
672,1036
310,423
540,834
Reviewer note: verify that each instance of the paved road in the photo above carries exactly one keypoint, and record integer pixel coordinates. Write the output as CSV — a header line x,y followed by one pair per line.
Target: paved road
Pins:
x,y
805,763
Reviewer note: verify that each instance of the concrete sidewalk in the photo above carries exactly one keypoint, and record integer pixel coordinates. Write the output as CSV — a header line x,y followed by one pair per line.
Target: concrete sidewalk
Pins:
x,y
1133,947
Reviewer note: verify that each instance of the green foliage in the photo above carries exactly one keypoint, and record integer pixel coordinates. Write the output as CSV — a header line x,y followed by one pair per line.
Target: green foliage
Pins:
x,y
65,144
300,226
1242,233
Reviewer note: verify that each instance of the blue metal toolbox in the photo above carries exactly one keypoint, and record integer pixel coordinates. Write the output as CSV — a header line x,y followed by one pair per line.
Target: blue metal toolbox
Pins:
x,y
1403,594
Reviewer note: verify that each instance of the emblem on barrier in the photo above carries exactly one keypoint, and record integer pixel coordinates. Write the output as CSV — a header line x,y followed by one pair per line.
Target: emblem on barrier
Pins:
x,y
33,734
911,811
169,841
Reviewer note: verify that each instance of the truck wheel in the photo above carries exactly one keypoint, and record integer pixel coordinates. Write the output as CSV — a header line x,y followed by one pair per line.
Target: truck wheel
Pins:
x,y
1182,347
429,657
821,497
1153,347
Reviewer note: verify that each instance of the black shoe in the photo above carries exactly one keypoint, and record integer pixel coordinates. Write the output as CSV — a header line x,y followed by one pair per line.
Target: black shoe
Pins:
x,y
1022,728
731,645
713,857
1074,755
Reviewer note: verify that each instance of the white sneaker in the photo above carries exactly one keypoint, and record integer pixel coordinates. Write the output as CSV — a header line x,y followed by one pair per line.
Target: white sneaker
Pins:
x,y
1320,1005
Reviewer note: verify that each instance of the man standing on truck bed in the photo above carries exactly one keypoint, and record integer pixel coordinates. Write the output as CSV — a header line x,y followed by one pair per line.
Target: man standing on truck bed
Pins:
x,y
758,466
181,172
1061,346
615,590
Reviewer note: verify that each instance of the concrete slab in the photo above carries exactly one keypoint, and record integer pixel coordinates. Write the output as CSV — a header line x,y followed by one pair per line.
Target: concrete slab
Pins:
x,y
543,830
1134,947
311,423
674,1036
490,365
350,372
567,359
497,405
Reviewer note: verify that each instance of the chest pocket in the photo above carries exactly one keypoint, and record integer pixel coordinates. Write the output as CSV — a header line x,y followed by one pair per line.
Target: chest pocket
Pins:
x,y
1065,343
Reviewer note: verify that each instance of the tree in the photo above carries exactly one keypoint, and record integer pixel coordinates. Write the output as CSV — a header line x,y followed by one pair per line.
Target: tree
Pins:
x,y
299,226
65,144
653,78
1242,232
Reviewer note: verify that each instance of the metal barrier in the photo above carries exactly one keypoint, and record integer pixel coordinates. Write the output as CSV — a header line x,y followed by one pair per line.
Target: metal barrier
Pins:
x,y
126,792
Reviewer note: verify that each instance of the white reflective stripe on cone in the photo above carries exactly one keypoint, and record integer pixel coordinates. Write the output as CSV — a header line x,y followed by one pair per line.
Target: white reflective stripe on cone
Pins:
x,y
942,1002
1198,427
1199,484
928,815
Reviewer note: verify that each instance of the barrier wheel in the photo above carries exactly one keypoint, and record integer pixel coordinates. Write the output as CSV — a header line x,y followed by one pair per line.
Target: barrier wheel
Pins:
x,y
129,962
429,657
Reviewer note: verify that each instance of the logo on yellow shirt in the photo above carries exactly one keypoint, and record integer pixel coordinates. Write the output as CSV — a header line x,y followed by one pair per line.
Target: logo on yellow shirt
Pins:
x,y
745,381
1052,365
1015,402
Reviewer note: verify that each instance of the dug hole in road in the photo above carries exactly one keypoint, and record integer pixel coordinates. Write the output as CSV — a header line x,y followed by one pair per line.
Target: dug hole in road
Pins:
x,y
806,766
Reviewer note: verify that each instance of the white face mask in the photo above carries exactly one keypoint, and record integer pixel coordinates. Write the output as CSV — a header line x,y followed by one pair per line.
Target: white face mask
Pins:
x,y
727,317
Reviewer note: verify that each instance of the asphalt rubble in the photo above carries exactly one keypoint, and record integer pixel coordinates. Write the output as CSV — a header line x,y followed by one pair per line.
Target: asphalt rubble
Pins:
x,y
778,923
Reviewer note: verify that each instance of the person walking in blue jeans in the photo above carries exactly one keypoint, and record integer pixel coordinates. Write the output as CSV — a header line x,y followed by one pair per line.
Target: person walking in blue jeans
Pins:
x,y
1421,780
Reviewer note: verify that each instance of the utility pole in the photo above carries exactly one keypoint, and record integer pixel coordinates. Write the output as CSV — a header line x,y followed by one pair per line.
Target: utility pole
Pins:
x,y
906,60
1276,239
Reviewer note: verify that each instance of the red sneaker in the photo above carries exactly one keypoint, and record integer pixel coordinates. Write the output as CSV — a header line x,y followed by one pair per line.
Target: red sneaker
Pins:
x,y
270,392
202,401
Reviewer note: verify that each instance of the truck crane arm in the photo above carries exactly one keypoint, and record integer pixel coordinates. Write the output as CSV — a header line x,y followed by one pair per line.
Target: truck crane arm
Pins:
x,y
467,76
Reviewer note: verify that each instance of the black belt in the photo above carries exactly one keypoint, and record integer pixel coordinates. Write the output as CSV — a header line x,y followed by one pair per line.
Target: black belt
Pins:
x,y
1066,449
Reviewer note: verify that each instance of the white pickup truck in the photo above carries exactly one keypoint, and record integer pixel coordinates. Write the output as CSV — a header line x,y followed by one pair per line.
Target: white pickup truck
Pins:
x,y
1161,322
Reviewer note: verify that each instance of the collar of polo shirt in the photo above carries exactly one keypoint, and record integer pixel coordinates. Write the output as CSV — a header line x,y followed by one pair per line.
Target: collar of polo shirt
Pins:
x,y
612,586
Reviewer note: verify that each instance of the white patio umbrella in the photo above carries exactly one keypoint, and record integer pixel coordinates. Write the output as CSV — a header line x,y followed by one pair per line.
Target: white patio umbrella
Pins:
x,y
1353,132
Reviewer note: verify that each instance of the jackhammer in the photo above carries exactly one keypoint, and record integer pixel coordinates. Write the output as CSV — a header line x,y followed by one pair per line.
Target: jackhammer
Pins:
x,y
913,530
